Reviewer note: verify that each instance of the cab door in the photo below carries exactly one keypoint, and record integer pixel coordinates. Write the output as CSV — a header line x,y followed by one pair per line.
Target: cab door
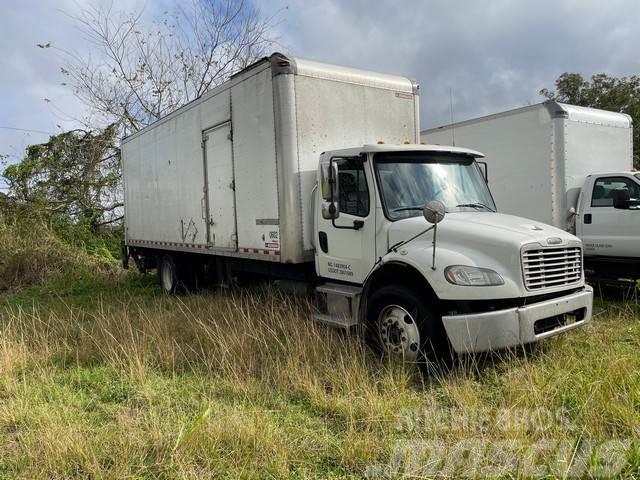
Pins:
x,y
345,246
605,230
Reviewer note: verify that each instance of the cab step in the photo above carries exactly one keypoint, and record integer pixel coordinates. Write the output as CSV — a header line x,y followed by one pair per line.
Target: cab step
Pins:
x,y
339,304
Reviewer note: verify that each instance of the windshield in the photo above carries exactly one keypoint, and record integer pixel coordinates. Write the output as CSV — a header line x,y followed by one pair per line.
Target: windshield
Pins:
x,y
408,181
638,176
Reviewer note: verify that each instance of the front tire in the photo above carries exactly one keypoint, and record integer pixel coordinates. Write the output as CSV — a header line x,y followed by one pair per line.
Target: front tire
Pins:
x,y
402,325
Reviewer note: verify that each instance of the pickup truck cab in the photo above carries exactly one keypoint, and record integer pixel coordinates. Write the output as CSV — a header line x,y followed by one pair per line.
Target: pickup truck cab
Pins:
x,y
608,222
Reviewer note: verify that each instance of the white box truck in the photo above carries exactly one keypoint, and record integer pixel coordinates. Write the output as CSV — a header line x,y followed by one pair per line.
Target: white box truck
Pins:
x,y
566,166
278,173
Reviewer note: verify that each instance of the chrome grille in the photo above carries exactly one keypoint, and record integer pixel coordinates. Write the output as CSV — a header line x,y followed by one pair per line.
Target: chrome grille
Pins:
x,y
551,267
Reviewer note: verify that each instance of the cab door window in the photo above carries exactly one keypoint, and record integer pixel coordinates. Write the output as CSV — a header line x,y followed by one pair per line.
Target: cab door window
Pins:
x,y
353,188
604,187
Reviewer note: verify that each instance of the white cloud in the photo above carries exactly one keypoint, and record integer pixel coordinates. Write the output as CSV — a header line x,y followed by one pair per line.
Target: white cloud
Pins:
x,y
494,54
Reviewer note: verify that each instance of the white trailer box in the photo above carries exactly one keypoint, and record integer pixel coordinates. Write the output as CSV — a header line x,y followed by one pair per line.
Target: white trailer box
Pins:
x,y
539,156
232,172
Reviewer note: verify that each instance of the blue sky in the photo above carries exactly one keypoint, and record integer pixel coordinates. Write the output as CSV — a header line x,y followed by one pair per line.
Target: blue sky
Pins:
x,y
492,54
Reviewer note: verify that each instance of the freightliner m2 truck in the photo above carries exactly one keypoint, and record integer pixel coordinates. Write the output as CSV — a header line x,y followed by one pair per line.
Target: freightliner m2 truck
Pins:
x,y
566,166
278,173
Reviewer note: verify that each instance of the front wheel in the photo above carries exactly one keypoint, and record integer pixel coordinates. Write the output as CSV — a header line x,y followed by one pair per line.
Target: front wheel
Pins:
x,y
402,325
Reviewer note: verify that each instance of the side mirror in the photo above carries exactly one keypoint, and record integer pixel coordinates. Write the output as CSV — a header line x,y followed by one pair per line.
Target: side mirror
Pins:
x,y
621,198
330,189
330,210
325,187
434,211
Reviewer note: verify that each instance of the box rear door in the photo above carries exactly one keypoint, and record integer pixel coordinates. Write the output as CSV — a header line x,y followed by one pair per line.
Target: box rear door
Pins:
x,y
219,187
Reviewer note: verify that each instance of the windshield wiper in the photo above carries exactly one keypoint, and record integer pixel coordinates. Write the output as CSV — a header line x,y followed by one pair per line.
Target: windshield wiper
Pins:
x,y
476,205
403,209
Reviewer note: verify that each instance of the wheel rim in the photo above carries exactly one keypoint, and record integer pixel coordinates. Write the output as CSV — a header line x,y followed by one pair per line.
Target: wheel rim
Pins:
x,y
398,332
167,276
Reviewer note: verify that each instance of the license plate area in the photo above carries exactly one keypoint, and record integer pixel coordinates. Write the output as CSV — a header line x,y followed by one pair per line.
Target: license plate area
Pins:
x,y
549,324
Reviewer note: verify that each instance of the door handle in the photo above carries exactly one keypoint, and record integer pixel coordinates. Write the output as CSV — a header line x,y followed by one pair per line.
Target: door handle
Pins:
x,y
587,218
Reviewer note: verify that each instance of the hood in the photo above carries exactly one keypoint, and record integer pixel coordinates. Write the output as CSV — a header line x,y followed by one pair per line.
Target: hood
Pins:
x,y
495,227
482,239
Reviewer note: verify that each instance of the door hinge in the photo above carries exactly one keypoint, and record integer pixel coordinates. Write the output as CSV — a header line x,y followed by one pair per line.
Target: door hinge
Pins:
x,y
232,185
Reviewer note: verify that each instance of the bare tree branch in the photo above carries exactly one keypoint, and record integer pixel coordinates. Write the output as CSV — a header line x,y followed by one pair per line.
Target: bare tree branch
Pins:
x,y
146,70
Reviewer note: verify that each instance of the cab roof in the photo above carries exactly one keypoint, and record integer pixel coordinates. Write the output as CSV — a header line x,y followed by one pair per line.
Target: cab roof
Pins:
x,y
410,147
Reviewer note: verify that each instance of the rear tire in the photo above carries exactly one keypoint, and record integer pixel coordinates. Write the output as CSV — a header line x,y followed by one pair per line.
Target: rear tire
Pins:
x,y
402,325
168,275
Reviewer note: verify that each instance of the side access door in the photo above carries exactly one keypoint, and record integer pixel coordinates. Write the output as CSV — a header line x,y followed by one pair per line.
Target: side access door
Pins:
x,y
345,245
605,230
219,188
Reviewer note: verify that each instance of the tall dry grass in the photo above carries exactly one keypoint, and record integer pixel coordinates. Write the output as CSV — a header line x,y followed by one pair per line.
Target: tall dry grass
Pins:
x,y
245,385
101,376
202,381
34,251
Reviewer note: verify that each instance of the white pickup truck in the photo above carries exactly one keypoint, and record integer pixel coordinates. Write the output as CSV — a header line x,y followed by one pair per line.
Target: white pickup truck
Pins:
x,y
567,166
278,174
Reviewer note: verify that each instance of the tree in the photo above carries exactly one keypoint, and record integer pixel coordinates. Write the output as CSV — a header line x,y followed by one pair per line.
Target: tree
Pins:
x,y
605,92
138,73
75,175
135,73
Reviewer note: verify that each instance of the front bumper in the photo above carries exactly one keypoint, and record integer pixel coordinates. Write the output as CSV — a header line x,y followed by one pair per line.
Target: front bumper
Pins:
x,y
481,332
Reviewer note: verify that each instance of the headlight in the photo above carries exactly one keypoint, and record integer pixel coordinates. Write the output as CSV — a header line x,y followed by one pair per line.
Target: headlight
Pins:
x,y
472,276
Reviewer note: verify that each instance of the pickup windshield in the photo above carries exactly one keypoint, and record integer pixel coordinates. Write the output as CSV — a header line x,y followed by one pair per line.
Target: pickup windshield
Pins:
x,y
408,181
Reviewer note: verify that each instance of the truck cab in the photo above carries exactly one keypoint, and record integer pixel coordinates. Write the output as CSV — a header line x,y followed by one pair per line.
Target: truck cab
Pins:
x,y
608,222
473,279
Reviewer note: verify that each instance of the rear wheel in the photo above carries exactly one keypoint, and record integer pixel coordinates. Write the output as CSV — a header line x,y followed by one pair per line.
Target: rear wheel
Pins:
x,y
402,325
168,275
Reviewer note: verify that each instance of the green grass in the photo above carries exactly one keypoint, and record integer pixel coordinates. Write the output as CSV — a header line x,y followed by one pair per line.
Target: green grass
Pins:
x,y
108,378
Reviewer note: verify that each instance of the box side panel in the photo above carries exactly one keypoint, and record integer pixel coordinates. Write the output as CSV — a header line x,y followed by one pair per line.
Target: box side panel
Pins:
x,y
164,176
254,156
332,115
519,153
593,148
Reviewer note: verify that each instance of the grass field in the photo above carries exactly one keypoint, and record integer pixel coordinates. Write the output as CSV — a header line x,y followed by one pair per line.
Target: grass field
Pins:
x,y
105,377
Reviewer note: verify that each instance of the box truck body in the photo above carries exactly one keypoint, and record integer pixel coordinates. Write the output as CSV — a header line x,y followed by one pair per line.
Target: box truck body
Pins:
x,y
231,173
551,162
298,171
